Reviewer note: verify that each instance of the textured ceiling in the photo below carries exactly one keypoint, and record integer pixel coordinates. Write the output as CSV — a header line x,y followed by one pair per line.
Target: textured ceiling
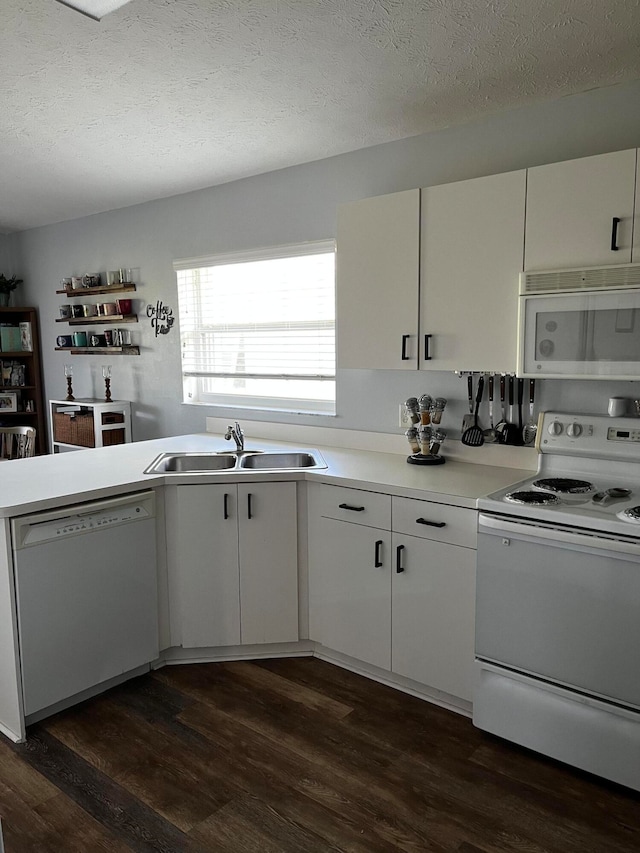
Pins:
x,y
166,96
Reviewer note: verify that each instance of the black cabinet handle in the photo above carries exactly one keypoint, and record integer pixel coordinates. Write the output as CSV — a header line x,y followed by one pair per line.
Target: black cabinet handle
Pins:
x,y
399,566
352,508
249,513
377,562
404,355
614,233
431,523
226,506
427,342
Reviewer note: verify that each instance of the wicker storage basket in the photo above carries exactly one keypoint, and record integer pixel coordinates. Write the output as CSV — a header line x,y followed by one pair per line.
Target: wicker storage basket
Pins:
x,y
112,436
74,428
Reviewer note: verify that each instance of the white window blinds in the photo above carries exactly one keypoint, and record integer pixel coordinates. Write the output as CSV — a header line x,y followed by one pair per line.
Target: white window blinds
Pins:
x,y
260,327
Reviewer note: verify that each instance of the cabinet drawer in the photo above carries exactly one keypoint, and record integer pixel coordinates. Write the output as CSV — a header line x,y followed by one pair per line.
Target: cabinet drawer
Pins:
x,y
368,508
431,520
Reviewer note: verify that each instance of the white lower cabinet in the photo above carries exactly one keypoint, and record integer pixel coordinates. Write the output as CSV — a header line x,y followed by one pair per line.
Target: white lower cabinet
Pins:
x,y
350,589
400,596
236,564
433,614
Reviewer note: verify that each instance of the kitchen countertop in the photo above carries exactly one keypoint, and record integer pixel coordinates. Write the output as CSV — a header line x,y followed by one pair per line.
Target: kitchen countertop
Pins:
x,y
46,482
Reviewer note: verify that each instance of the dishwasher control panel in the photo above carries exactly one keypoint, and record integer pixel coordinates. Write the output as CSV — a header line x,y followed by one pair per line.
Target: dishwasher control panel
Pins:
x,y
81,522
82,519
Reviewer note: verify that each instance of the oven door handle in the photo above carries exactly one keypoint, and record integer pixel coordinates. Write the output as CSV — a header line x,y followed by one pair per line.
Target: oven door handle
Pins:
x,y
553,534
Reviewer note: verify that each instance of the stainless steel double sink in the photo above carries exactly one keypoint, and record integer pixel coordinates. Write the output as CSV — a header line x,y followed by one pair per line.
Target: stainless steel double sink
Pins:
x,y
234,462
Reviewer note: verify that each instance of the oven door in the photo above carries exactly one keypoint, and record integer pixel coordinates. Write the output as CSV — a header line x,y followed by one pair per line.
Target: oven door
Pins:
x,y
595,335
561,605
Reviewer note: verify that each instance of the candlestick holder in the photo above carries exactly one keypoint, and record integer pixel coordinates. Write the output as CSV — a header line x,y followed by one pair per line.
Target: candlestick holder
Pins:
x,y
106,373
68,372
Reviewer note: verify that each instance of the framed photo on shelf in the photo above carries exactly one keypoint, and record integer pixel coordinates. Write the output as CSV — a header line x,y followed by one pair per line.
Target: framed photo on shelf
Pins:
x,y
8,401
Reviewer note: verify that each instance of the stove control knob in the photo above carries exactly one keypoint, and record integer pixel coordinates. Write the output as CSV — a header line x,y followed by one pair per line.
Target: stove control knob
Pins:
x,y
574,430
555,428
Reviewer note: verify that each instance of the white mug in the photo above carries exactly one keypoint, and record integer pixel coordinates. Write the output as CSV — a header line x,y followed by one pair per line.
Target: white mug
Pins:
x,y
617,407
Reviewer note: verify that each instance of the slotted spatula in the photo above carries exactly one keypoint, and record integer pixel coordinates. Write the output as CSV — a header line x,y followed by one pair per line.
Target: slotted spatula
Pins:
x,y
474,436
467,420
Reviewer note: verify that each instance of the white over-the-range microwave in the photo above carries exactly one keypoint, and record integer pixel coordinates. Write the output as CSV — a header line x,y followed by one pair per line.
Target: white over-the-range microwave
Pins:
x,y
580,323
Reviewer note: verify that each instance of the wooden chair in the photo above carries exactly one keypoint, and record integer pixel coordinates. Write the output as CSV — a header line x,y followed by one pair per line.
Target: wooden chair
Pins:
x,y
17,442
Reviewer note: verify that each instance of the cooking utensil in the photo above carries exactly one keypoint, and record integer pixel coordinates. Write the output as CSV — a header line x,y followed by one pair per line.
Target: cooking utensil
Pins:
x,y
520,440
510,433
473,436
467,420
490,434
500,426
531,428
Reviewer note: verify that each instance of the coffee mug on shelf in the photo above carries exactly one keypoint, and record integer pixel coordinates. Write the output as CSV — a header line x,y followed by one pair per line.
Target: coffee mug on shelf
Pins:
x,y
122,337
90,310
108,309
108,337
97,341
91,279
617,407
64,340
65,312
123,306
79,339
66,284
77,311
76,282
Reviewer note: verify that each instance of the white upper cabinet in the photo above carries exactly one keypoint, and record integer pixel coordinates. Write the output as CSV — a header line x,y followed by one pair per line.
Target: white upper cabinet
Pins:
x,y
579,211
472,240
378,258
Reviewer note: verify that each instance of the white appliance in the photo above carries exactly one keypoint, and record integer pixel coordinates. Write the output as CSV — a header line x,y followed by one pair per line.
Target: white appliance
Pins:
x,y
580,323
558,599
86,594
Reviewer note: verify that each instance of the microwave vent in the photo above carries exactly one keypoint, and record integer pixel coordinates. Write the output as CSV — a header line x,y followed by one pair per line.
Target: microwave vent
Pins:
x,y
587,278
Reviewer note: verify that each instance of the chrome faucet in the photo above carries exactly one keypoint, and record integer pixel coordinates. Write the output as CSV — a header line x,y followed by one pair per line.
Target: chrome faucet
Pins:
x,y
236,433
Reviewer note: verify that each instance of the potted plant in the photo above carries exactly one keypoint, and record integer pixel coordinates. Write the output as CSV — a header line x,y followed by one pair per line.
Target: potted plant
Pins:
x,y
6,286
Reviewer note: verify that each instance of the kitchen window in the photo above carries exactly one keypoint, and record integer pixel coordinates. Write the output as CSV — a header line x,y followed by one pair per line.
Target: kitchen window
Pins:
x,y
258,328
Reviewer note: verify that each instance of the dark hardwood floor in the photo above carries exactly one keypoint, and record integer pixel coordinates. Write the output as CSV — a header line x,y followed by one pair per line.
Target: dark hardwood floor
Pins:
x,y
291,756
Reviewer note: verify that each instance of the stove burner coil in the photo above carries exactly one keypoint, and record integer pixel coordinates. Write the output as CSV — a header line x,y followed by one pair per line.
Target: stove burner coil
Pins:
x,y
564,485
534,498
632,513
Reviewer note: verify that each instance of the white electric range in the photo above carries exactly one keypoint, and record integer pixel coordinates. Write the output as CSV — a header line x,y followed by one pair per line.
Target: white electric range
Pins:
x,y
558,599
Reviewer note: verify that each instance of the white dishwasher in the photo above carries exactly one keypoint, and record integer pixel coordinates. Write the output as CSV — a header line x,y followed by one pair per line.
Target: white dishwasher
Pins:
x,y
86,595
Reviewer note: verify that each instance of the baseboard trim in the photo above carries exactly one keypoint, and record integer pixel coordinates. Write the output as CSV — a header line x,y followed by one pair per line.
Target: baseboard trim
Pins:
x,y
308,648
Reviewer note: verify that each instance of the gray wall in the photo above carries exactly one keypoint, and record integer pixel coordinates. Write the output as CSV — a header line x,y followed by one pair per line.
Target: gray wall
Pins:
x,y
294,205
6,255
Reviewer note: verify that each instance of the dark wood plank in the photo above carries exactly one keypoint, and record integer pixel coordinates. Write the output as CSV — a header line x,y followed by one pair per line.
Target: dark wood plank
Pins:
x,y
111,805
292,755
169,777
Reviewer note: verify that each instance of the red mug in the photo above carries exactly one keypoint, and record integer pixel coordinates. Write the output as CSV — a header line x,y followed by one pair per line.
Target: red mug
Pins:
x,y
123,306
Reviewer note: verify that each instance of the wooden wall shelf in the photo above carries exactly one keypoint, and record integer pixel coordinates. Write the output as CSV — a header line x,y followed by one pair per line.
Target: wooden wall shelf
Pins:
x,y
134,350
109,318
86,291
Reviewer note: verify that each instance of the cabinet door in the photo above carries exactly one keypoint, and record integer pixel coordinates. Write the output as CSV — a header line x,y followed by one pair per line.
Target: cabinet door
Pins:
x,y
267,518
433,615
471,248
349,595
207,565
570,212
377,282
